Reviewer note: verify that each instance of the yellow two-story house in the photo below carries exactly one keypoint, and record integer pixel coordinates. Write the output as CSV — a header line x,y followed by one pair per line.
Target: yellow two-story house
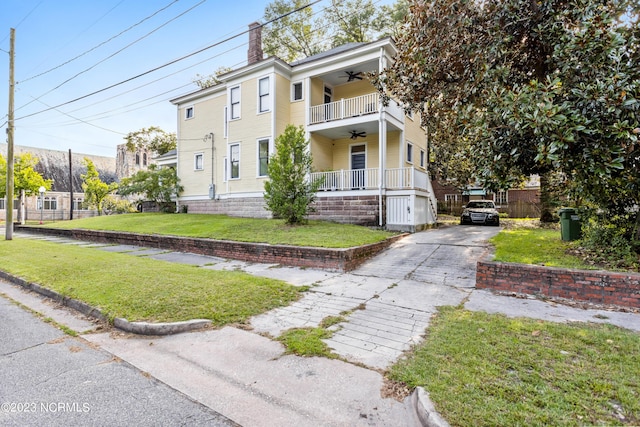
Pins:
x,y
371,158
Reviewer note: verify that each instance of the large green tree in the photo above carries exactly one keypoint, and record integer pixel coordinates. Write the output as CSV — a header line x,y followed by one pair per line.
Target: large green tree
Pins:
x,y
155,184
294,36
152,138
288,192
352,21
529,87
95,190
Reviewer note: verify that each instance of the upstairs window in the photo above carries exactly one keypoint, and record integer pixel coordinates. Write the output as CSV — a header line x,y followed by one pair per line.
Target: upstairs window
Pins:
x,y
263,95
296,91
235,102
188,113
421,158
409,152
144,159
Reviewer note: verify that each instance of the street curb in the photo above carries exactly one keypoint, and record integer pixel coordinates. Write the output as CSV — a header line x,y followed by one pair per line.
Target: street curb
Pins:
x,y
426,412
145,328
141,328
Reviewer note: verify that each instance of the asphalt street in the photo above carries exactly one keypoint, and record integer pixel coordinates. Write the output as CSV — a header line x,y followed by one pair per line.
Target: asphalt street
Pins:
x,y
49,378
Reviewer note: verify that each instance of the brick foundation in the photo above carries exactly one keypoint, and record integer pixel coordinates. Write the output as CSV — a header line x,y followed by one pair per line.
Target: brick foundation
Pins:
x,y
297,256
600,287
359,210
249,207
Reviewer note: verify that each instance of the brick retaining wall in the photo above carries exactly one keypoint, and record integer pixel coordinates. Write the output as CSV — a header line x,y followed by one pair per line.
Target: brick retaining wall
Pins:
x,y
297,256
600,287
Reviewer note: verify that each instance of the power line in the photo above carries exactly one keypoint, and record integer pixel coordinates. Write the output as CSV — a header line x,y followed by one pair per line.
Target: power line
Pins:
x,y
166,64
113,54
100,44
23,19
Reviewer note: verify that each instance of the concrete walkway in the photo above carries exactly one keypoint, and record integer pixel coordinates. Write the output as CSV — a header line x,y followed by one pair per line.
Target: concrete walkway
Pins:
x,y
386,304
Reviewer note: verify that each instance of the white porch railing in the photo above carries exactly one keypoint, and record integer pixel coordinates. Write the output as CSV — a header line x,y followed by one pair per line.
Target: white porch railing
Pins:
x,y
361,179
402,178
349,107
350,179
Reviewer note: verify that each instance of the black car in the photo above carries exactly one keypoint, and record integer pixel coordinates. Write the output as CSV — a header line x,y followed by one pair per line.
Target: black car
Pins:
x,y
480,212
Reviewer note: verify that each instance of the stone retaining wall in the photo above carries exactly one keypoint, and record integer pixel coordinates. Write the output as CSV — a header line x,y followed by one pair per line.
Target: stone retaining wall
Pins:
x,y
600,287
297,256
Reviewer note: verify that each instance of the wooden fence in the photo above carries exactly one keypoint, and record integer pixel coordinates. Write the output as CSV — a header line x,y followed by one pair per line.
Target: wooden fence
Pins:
x,y
516,209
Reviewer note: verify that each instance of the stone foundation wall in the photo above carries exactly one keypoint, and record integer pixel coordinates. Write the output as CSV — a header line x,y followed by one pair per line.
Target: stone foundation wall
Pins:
x,y
600,287
249,207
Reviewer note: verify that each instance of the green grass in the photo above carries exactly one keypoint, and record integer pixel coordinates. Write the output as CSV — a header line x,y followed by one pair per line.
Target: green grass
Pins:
x,y
221,227
308,341
535,246
490,370
143,289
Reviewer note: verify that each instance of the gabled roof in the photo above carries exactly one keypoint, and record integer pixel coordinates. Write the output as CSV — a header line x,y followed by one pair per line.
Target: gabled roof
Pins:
x,y
327,53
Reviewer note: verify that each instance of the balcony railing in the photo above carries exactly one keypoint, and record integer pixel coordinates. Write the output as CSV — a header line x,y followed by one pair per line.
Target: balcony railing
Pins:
x,y
367,179
344,108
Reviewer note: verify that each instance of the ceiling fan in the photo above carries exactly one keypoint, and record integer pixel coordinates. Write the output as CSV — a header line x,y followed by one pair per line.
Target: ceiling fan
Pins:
x,y
355,134
353,75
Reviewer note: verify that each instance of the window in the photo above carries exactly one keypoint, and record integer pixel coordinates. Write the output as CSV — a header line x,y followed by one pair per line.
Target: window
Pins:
x,y
263,95
452,197
137,158
235,102
263,157
77,204
198,162
296,91
50,203
234,152
188,113
16,204
144,159
409,152
421,158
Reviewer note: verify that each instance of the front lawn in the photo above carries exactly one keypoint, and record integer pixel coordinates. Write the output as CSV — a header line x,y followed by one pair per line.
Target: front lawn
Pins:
x,y
221,227
490,370
539,246
143,289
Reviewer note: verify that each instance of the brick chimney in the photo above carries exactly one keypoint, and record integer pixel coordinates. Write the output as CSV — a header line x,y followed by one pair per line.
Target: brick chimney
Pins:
x,y
255,53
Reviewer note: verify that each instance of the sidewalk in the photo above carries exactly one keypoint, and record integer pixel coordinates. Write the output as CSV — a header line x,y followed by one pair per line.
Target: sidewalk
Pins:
x,y
387,304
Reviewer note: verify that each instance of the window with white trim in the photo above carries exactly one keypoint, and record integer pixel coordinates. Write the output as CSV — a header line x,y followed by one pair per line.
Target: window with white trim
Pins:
x,y
50,203
234,97
421,158
234,160
188,113
78,204
16,204
263,156
263,95
409,152
198,161
452,197
296,91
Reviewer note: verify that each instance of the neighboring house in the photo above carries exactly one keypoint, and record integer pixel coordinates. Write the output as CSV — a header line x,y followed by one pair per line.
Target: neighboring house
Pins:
x,y
371,158
66,190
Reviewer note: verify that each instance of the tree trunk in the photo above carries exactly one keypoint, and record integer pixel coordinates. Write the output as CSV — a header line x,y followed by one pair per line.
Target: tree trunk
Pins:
x,y
546,204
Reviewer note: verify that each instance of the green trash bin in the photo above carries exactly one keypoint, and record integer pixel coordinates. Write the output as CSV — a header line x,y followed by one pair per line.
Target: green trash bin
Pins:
x,y
570,226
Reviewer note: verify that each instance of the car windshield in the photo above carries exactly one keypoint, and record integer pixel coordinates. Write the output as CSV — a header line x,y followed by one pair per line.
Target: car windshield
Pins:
x,y
481,205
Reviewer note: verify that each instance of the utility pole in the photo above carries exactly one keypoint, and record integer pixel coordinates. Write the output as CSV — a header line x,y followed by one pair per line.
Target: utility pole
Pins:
x,y
9,193
70,187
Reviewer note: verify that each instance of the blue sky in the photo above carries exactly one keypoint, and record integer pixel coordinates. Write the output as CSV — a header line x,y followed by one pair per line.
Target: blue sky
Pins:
x,y
52,32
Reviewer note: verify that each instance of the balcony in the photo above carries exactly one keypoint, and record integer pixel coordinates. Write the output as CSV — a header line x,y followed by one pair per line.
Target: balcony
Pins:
x,y
368,179
350,107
